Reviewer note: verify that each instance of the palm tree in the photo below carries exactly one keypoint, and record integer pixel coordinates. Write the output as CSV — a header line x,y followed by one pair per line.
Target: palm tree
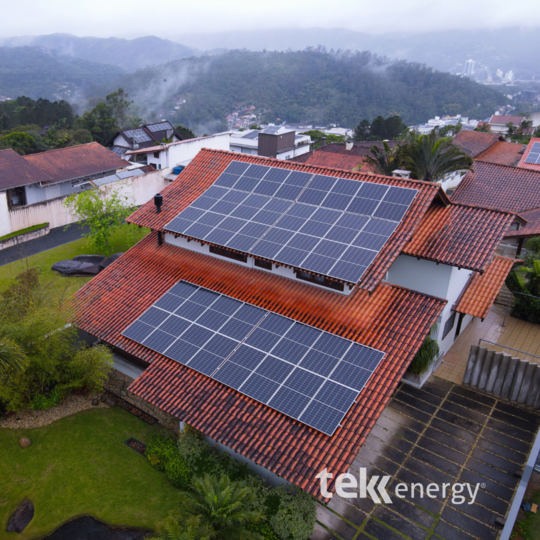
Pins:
x,y
191,528
430,158
383,160
223,507
533,275
12,357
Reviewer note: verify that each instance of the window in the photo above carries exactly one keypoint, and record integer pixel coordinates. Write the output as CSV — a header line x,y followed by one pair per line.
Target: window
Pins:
x,y
229,254
156,155
325,282
449,324
263,264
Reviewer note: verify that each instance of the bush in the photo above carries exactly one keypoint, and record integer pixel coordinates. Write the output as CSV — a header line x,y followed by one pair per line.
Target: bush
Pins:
x,y
295,517
264,529
178,472
160,450
40,402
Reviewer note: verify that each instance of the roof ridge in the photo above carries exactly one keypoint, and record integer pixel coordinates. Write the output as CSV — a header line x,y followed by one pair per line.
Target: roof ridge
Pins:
x,y
64,148
522,169
476,207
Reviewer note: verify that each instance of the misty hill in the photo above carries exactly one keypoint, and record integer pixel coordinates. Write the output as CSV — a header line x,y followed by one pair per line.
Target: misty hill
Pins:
x,y
507,48
34,72
128,54
311,86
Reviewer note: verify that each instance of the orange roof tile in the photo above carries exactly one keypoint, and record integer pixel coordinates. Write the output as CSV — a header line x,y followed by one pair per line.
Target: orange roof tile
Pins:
x,y
484,288
460,235
206,167
502,153
391,318
475,142
531,229
15,171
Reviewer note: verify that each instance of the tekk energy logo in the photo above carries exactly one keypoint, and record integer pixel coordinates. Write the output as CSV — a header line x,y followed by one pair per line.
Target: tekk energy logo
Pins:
x,y
376,488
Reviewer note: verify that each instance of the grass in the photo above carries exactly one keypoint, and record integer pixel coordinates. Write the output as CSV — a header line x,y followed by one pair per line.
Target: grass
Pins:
x,y
22,231
528,527
80,465
120,241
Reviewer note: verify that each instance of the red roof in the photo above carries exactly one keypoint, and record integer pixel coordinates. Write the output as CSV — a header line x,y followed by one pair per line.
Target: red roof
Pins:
x,y
500,120
76,161
206,167
510,189
391,318
531,229
15,171
475,142
459,235
502,153
531,166
484,288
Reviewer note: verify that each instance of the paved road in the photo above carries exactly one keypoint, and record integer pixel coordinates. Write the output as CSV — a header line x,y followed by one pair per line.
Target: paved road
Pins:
x,y
55,238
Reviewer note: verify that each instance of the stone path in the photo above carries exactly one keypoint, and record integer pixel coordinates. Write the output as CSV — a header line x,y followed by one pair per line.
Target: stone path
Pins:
x,y
444,433
56,237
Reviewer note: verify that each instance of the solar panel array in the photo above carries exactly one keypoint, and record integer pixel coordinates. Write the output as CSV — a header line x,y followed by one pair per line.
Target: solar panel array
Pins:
x,y
308,374
327,225
272,129
138,135
534,154
251,135
164,126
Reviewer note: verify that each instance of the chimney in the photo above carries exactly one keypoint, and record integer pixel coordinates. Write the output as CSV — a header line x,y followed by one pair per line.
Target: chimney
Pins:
x,y
349,145
158,201
401,173
323,141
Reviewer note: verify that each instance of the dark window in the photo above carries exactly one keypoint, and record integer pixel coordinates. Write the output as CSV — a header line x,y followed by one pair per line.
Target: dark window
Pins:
x,y
229,254
263,264
156,155
449,324
319,280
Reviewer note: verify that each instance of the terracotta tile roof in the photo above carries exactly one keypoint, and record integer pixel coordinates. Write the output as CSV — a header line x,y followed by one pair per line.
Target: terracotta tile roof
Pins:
x,y
510,189
391,318
475,142
501,120
206,167
76,161
531,166
336,156
15,171
459,235
502,153
484,288
531,229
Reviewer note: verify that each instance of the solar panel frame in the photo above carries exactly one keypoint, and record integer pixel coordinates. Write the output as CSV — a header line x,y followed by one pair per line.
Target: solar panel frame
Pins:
x,y
533,157
276,360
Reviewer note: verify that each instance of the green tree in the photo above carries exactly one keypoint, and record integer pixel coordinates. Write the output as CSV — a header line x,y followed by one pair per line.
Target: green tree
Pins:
x,y
383,160
12,357
21,142
185,132
532,274
120,105
430,158
483,127
191,528
317,138
511,128
222,506
450,130
104,211
100,122
362,132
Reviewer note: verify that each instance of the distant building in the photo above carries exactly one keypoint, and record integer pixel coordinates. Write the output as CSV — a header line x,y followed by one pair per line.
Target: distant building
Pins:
x,y
443,121
273,141
498,123
142,137
469,68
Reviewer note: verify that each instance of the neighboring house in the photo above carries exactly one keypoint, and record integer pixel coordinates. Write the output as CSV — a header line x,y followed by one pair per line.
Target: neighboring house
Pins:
x,y
177,154
143,137
498,123
288,282
273,141
531,156
349,156
510,189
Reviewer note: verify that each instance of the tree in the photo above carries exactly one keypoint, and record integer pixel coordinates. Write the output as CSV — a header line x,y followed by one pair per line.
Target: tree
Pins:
x,y
317,138
362,133
222,506
383,160
450,130
120,106
100,122
185,132
21,142
104,211
430,158
12,357
532,274
191,528
483,127
511,128
536,132
380,129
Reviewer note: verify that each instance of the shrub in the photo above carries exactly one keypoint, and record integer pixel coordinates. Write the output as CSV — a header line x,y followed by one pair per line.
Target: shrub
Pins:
x,y
425,356
160,450
264,529
295,517
40,402
178,472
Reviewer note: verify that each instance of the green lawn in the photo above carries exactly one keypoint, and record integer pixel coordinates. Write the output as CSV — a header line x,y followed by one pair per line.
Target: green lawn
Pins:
x,y
80,465
120,242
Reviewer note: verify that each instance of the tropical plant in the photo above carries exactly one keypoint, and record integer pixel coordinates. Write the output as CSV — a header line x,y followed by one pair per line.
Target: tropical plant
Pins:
x,y
532,274
191,528
425,356
483,127
430,158
295,515
185,132
221,505
533,244
12,357
511,128
383,160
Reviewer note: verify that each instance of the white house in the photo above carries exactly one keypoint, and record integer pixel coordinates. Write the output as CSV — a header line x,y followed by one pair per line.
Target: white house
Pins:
x,y
143,137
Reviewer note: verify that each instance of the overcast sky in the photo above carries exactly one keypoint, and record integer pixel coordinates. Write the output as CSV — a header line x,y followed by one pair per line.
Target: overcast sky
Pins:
x,y
172,18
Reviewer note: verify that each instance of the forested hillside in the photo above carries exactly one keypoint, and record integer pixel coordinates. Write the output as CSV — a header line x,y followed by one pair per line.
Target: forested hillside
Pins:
x,y
307,86
37,73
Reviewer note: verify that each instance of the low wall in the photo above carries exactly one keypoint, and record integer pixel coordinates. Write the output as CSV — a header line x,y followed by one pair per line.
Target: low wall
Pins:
x,y
20,238
142,188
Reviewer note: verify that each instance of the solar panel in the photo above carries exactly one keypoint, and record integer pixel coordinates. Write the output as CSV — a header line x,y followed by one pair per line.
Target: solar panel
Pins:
x,y
138,135
164,126
297,369
272,129
318,223
534,154
251,135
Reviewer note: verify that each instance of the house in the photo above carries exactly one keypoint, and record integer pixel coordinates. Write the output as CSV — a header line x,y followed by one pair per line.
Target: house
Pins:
x,y
143,137
177,154
530,159
348,156
489,147
273,141
301,337
498,123
510,189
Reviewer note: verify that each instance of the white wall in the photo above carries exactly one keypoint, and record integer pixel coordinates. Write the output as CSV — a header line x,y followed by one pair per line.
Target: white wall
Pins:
x,y
452,180
5,225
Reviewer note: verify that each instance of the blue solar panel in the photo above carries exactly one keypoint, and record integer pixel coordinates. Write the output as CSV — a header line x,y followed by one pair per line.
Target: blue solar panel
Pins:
x,y
290,366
